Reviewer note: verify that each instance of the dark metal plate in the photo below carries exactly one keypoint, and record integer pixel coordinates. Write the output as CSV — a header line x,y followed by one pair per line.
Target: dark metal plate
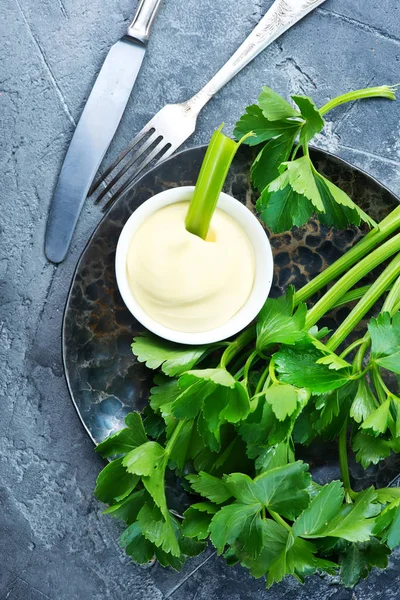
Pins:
x,y
103,377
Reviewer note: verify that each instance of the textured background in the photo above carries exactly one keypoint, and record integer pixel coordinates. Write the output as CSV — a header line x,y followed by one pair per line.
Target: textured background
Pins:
x,y
54,543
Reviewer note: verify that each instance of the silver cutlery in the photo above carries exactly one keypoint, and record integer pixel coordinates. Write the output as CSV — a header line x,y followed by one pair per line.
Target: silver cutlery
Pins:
x,y
175,123
96,128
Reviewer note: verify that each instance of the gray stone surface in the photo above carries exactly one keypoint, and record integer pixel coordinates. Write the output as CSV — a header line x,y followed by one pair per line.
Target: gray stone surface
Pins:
x,y
54,542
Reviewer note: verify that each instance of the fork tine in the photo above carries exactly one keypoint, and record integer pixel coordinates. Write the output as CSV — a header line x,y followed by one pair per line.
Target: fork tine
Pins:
x,y
153,138
153,154
120,157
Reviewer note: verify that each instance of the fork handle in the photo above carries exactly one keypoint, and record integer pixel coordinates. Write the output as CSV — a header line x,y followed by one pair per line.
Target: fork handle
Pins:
x,y
141,25
281,16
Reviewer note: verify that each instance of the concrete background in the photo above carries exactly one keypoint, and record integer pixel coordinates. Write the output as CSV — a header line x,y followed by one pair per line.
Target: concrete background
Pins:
x,y
54,542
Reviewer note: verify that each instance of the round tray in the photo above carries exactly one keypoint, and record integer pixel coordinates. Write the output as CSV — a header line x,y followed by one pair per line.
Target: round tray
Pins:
x,y
105,380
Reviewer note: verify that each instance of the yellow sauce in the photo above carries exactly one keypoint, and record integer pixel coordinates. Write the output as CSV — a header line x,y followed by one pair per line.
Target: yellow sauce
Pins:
x,y
183,282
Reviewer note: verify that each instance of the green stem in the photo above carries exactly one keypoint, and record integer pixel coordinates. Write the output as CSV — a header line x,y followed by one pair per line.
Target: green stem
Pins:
x,y
217,162
376,380
262,380
352,347
373,92
386,227
248,364
172,440
392,300
358,361
383,384
365,304
365,266
388,306
344,465
272,375
237,346
354,295
279,520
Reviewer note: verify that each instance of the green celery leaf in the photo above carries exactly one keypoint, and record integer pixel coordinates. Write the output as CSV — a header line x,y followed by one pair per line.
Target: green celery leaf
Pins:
x,y
318,334
378,421
299,175
388,524
237,404
190,402
232,458
283,555
300,191
364,403
251,537
129,508
322,509
226,404
387,495
283,400
265,167
254,121
391,363
304,432
299,367
277,324
164,392
301,561
332,409
231,521
359,559
114,483
370,450
354,522
217,376
172,358
274,456
392,537
242,488
210,487
162,532
214,392
211,439
385,335
314,122
153,423
283,209
274,107
284,489
136,545
197,520
191,547
181,449
255,430
332,360
144,459
275,539
166,559
338,208
125,440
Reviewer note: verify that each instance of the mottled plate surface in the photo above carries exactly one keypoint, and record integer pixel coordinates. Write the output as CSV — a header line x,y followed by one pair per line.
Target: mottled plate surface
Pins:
x,y
104,379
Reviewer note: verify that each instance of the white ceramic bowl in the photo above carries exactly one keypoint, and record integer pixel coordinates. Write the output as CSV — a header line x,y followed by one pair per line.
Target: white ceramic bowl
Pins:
x,y
263,276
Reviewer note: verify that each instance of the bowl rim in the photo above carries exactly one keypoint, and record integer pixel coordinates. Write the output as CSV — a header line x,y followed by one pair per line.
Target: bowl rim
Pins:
x,y
263,273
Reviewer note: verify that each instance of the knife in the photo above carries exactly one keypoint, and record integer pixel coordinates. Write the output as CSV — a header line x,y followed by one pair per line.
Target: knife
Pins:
x,y
96,128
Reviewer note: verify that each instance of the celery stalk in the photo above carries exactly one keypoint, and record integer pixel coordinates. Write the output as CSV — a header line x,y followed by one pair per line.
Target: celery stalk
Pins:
x,y
213,173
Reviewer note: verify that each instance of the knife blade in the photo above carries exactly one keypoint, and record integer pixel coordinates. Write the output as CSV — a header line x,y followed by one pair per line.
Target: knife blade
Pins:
x,y
95,130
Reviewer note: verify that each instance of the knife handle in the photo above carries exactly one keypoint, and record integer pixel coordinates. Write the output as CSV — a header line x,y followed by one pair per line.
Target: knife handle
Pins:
x,y
281,16
141,25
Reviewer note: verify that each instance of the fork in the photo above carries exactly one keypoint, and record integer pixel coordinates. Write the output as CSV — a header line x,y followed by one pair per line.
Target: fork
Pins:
x,y
175,123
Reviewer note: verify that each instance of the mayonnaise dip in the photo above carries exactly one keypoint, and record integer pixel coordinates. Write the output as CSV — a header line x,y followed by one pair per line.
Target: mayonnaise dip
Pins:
x,y
183,282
